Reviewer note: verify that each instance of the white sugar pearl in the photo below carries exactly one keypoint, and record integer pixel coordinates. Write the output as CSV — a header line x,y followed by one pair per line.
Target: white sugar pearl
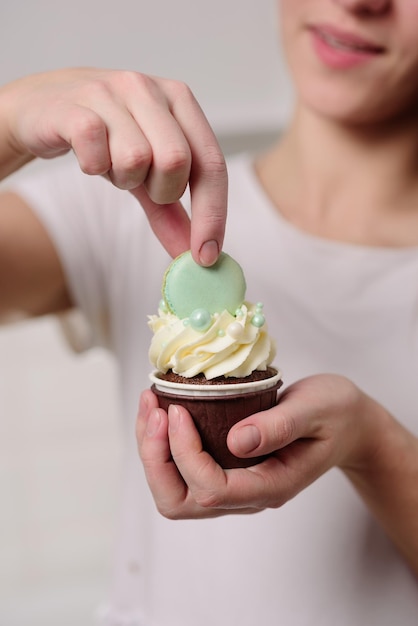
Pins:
x,y
235,330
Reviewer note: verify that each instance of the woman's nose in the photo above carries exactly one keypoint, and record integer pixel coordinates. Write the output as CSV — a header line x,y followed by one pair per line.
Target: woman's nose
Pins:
x,y
376,7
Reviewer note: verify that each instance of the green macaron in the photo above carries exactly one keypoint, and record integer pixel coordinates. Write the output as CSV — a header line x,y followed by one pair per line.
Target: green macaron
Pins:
x,y
188,287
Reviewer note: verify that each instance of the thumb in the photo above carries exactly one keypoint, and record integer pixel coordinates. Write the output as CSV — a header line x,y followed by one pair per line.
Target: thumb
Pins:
x,y
262,433
169,222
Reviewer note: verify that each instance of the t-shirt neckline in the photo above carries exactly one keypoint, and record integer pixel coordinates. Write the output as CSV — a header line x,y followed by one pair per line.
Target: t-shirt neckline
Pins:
x,y
264,203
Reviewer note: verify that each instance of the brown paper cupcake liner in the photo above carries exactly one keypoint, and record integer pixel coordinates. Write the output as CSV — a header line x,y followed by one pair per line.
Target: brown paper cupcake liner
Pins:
x,y
214,415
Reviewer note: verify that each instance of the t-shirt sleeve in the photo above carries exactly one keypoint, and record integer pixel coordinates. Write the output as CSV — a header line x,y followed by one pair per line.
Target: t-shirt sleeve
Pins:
x,y
82,215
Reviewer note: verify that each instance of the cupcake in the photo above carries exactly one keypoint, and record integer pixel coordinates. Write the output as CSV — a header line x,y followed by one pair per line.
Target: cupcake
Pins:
x,y
211,351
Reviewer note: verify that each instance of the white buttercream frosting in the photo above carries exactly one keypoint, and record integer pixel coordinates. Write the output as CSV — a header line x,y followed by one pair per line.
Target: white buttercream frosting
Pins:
x,y
231,345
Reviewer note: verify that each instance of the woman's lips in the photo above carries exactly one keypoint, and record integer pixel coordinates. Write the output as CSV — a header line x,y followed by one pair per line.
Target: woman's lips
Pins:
x,y
341,49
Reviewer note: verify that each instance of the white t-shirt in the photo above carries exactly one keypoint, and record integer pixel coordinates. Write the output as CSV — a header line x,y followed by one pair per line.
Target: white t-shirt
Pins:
x,y
320,559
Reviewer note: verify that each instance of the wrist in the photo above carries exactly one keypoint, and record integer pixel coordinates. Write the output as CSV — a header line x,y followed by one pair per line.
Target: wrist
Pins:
x,y
370,426
379,444
13,154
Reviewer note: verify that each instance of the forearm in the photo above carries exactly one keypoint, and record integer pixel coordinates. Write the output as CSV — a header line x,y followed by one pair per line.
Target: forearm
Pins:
x,y
388,483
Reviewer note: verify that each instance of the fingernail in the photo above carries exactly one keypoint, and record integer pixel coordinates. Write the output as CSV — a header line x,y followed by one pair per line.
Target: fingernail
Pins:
x,y
153,423
173,418
247,438
209,252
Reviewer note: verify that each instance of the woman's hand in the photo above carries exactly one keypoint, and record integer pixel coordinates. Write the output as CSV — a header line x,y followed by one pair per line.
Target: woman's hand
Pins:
x,y
320,422
146,134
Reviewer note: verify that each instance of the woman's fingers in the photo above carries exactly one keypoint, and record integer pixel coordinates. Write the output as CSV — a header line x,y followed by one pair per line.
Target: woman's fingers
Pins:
x,y
169,222
268,484
208,175
163,141
172,495
196,466
168,489
184,480
265,432
184,151
320,408
320,422
145,134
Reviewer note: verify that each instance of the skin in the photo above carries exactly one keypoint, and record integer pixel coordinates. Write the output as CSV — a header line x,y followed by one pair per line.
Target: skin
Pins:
x,y
147,135
368,195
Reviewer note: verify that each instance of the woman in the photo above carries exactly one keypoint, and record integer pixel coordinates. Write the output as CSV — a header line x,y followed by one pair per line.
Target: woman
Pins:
x,y
335,263
344,171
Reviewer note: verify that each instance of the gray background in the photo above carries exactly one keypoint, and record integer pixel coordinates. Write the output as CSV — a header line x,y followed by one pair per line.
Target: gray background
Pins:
x,y
226,50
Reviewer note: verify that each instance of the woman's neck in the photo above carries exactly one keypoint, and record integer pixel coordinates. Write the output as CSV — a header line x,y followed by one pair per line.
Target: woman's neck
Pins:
x,y
351,184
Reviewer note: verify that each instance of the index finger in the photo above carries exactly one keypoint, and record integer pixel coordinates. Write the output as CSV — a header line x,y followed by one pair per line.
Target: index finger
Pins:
x,y
208,179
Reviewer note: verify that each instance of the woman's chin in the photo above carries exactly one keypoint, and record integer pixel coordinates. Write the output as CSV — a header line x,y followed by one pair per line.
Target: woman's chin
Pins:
x,y
345,106
354,103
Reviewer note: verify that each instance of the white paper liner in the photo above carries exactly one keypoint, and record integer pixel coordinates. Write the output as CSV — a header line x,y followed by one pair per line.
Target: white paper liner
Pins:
x,y
227,389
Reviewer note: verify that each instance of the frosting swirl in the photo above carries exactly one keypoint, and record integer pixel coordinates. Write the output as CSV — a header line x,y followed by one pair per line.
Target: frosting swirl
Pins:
x,y
219,344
